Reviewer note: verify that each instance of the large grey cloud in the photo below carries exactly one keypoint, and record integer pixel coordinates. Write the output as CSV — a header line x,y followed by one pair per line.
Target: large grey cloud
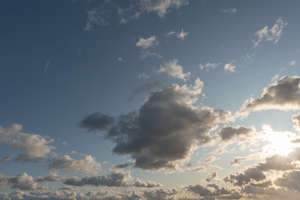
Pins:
x,y
166,127
34,147
284,94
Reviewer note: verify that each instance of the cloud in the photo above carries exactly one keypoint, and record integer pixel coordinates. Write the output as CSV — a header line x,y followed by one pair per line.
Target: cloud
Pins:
x,y
229,67
290,180
114,179
160,194
284,94
97,122
296,120
146,43
257,172
146,87
270,34
143,76
21,182
211,177
232,11
293,63
96,17
237,160
52,177
228,133
173,69
213,191
208,66
161,7
34,146
88,165
166,128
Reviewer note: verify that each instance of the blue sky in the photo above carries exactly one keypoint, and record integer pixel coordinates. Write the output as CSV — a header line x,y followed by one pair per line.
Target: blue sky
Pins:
x,y
208,92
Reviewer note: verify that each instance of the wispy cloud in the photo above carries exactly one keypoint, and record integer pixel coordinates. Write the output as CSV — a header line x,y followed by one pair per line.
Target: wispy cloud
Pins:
x,y
272,34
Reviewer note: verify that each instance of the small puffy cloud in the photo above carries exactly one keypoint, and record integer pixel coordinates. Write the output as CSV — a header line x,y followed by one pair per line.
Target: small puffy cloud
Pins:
x,y
173,69
293,63
88,165
208,66
147,184
167,128
229,67
284,94
33,146
272,34
146,43
97,122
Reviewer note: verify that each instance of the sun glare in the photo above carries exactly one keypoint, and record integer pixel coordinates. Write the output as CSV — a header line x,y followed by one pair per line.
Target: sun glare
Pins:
x,y
277,143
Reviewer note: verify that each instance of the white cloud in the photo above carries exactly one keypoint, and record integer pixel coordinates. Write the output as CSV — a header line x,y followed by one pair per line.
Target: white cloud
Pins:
x,y
33,146
270,34
88,165
172,68
229,67
161,7
146,43
208,66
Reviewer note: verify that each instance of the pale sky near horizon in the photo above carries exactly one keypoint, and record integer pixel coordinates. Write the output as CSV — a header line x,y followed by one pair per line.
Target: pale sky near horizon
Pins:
x,y
150,99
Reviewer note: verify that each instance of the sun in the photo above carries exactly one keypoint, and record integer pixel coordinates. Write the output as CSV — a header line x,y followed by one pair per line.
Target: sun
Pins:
x,y
277,143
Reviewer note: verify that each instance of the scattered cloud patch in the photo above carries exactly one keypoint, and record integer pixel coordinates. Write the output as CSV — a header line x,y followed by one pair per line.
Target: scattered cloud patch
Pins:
x,y
272,34
146,43
229,67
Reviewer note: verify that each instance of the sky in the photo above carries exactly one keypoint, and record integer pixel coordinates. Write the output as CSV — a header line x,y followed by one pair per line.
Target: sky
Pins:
x,y
150,100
